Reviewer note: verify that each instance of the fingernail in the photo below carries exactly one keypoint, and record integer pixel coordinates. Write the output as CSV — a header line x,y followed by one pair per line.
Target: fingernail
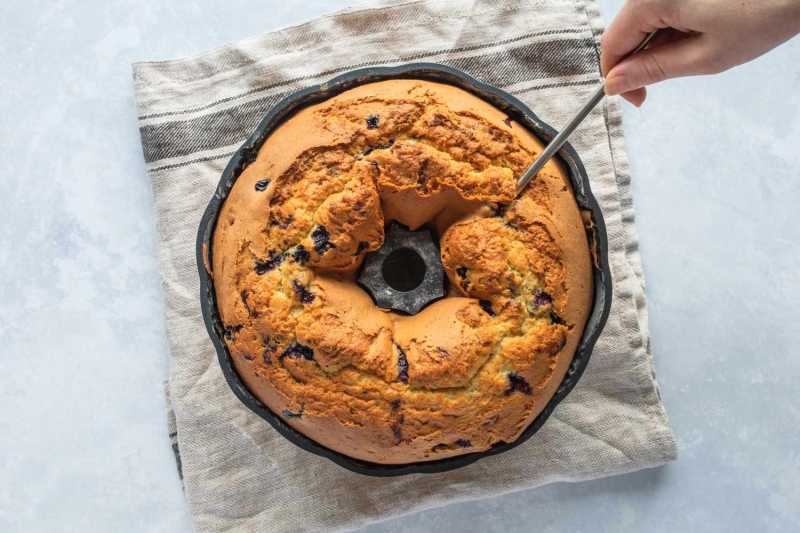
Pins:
x,y
618,85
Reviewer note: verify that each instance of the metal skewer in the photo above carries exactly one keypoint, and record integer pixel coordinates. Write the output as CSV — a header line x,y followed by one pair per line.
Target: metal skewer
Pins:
x,y
559,140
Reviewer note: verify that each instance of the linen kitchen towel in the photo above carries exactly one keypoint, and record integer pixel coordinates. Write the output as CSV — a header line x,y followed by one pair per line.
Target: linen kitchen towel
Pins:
x,y
239,473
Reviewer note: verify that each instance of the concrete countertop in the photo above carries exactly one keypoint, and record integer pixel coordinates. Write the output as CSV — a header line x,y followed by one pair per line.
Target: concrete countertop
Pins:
x,y
83,440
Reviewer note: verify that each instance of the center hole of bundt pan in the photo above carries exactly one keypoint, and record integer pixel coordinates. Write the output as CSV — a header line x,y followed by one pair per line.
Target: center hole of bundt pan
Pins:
x,y
406,273
403,269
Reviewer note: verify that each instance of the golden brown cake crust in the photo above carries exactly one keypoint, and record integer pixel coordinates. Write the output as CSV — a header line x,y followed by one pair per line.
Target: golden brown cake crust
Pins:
x,y
466,372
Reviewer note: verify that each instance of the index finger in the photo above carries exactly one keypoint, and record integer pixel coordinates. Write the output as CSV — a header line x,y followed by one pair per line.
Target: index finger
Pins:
x,y
633,22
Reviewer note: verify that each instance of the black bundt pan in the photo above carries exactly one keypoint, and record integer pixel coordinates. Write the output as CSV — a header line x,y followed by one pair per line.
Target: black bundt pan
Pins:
x,y
503,101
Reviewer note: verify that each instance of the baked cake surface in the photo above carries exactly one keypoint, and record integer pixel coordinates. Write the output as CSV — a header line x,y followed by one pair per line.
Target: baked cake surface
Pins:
x,y
468,371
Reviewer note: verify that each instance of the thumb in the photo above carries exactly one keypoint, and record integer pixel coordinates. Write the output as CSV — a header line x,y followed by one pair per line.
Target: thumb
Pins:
x,y
659,63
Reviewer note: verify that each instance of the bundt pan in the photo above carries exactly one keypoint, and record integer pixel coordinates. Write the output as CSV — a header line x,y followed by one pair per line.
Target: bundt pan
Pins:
x,y
518,111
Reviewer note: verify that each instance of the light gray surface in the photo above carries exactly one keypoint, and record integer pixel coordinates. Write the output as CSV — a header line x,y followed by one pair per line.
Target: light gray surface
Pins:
x,y
83,446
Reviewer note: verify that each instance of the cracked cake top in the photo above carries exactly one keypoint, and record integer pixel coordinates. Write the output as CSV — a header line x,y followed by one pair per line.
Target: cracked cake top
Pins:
x,y
468,371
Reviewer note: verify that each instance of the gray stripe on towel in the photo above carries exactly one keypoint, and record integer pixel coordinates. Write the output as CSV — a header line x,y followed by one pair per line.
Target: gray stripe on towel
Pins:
x,y
534,61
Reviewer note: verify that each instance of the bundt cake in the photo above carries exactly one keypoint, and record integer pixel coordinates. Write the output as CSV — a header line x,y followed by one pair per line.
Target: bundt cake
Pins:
x,y
469,370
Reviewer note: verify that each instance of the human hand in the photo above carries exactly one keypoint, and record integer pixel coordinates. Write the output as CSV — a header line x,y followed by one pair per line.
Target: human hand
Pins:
x,y
704,37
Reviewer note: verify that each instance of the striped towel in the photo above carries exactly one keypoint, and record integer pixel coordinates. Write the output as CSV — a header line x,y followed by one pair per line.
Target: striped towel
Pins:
x,y
239,473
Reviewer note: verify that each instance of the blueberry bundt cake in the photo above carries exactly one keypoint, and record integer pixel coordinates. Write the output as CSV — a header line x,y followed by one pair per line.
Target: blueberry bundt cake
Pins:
x,y
468,371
